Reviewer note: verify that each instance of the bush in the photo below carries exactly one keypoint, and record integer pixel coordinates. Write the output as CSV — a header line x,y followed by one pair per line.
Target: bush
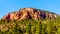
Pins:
x,y
30,26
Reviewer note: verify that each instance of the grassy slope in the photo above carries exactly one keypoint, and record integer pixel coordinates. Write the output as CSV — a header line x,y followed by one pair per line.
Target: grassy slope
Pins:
x,y
29,26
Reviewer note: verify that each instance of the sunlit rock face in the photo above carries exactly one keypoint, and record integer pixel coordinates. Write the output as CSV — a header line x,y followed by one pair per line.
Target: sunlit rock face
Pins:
x,y
28,13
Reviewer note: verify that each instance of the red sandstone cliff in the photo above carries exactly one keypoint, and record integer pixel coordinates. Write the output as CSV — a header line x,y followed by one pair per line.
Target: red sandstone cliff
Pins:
x,y
28,13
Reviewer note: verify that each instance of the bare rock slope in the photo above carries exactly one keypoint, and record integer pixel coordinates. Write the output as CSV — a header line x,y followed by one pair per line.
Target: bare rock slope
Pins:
x,y
29,13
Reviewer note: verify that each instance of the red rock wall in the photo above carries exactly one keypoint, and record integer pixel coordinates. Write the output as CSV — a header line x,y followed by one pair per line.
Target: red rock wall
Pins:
x,y
28,13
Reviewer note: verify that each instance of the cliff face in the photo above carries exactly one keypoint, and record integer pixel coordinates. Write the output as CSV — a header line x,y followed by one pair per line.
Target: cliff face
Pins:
x,y
29,13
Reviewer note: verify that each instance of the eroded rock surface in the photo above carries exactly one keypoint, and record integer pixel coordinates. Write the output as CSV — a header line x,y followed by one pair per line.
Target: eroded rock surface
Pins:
x,y
28,13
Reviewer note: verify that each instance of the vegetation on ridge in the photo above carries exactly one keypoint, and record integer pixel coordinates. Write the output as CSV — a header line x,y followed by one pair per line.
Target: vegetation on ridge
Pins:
x,y
30,26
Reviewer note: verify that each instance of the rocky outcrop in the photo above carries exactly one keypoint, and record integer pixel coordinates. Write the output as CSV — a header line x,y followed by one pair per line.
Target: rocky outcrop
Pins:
x,y
28,13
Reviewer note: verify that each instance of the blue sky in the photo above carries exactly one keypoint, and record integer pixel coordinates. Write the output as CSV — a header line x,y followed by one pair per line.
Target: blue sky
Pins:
x,y
7,6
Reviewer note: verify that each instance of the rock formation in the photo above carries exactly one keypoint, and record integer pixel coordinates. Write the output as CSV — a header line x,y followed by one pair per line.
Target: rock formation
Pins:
x,y
28,13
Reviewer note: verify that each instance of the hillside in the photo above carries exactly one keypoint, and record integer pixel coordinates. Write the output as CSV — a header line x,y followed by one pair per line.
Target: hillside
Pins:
x,y
30,21
29,13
